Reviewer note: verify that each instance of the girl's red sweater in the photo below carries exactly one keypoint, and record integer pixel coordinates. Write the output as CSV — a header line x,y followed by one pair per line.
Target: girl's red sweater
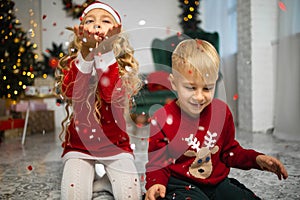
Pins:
x,y
85,134
177,146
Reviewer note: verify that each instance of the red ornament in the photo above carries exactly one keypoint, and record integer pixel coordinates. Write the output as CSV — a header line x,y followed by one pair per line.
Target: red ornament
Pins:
x,y
53,62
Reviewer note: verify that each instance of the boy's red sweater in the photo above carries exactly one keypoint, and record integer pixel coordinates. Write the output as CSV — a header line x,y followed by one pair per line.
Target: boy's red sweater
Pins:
x,y
169,132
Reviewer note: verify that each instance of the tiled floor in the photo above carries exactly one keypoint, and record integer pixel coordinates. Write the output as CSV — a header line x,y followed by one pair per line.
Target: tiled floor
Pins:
x,y
33,171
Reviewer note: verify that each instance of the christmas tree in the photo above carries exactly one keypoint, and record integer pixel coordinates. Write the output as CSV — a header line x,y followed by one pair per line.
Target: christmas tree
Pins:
x,y
189,16
17,57
51,58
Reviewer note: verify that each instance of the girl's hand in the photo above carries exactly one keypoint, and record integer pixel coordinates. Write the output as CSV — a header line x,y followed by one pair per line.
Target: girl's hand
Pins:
x,y
155,191
96,42
272,164
106,44
87,38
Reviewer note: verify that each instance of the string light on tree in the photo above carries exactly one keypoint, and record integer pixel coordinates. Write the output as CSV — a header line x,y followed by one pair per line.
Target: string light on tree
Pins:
x,y
16,53
190,14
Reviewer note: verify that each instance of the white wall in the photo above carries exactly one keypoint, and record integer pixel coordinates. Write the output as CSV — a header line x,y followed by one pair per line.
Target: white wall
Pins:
x,y
161,19
264,23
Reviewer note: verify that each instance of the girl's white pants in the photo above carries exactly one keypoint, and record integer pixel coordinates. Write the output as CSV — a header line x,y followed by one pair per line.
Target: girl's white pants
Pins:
x,y
79,179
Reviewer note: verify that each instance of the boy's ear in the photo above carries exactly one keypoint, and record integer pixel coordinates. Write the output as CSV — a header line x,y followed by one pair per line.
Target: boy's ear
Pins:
x,y
172,81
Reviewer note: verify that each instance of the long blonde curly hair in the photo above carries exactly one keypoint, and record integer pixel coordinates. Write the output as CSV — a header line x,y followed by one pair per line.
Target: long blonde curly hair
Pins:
x,y
128,70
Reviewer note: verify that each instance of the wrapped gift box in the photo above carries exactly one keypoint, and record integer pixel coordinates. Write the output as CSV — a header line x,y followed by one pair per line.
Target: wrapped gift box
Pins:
x,y
11,124
41,121
33,105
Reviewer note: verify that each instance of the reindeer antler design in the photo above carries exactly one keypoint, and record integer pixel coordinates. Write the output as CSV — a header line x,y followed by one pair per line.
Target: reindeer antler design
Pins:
x,y
209,139
193,142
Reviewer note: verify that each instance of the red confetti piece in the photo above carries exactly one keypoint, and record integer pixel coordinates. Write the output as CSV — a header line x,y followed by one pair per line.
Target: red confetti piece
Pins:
x,y
139,125
168,31
142,178
178,34
282,6
29,167
72,185
44,16
235,97
190,72
80,18
54,24
57,104
172,44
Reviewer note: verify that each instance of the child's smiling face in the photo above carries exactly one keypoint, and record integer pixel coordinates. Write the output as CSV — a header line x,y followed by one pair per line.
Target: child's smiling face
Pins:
x,y
194,92
98,20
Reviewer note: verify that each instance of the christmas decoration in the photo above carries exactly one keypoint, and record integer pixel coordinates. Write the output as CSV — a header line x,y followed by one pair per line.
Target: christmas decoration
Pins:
x,y
189,15
51,59
75,10
17,57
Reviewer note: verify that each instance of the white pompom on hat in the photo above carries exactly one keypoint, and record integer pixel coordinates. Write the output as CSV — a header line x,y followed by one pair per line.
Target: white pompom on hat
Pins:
x,y
104,6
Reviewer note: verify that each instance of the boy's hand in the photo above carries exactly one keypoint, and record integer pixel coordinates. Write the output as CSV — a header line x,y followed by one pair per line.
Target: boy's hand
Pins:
x,y
155,191
272,164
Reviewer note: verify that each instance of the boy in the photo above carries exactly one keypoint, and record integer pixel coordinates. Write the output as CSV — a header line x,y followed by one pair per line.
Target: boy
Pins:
x,y
192,145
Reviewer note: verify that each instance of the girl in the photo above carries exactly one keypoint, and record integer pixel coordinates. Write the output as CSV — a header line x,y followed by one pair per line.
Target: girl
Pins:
x,y
98,79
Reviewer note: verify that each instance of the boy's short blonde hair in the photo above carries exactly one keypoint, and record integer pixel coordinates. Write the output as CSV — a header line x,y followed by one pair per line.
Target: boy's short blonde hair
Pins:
x,y
197,57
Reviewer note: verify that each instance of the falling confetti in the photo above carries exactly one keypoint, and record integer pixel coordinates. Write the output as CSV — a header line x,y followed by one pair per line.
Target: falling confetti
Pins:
x,y
29,167
169,120
168,31
44,16
282,6
128,68
142,22
201,128
153,122
105,81
235,97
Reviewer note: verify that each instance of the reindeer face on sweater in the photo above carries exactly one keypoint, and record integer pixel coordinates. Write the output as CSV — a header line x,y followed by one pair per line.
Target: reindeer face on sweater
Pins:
x,y
202,165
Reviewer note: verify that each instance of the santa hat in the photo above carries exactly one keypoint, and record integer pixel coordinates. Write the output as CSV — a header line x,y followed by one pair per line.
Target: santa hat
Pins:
x,y
101,5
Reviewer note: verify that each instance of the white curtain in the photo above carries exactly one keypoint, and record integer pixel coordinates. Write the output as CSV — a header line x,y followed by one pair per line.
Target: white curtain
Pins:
x,y
287,102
